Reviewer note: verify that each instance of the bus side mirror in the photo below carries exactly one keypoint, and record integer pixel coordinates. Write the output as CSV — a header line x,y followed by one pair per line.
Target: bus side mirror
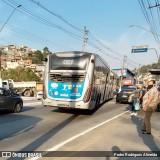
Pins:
x,y
92,61
46,59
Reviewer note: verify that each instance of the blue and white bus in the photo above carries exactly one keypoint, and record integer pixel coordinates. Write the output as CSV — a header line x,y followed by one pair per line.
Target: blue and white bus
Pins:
x,y
77,80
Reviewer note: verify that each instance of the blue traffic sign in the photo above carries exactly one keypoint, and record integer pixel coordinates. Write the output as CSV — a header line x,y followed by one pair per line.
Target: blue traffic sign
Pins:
x,y
138,50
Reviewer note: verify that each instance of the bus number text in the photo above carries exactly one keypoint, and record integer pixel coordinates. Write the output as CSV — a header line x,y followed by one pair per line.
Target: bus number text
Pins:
x,y
69,62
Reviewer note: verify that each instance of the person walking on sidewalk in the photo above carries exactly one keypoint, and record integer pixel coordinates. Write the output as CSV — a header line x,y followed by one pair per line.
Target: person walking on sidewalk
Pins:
x,y
149,105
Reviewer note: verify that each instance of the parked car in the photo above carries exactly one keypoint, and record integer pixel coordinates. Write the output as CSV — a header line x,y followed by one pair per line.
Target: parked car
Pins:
x,y
39,95
122,95
10,101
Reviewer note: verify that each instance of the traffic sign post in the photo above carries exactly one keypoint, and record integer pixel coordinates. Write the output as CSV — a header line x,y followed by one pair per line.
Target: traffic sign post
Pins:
x,y
139,49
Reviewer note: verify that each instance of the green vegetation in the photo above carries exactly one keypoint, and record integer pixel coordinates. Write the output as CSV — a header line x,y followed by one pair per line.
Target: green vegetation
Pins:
x,y
144,69
37,57
26,74
20,74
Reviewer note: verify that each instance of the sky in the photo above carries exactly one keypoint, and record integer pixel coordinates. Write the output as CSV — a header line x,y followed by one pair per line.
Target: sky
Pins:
x,y
106,20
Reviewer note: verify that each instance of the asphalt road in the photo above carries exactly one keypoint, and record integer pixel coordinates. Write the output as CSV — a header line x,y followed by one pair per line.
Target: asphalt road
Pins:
x,y
109,128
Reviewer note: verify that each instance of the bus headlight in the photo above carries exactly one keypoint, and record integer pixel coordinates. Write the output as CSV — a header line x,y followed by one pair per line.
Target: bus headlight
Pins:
x,y
87,94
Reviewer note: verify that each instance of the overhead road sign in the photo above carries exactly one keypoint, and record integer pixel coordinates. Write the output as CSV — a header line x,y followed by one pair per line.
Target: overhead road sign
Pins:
x,y
139,49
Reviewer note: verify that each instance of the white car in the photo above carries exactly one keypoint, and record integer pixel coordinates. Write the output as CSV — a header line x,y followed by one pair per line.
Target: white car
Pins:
x,y
39,95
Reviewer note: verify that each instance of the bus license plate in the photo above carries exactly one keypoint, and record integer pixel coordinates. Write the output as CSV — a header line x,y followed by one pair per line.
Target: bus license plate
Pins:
x,y
63,105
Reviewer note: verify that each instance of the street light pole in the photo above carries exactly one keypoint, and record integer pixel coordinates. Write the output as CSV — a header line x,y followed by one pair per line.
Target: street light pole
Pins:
x,y
155,51
158,56
144,29
0,32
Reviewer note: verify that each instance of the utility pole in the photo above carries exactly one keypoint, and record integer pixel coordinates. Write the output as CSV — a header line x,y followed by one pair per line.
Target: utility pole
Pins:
x,y
157,5
84,38
0,68
124,60
138,73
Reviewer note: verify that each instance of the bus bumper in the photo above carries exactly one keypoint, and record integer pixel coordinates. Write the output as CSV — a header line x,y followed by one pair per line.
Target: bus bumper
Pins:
x,y
67,104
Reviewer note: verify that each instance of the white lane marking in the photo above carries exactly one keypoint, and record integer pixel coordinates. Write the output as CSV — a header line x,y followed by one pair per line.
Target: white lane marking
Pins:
x,y
23,130
80,134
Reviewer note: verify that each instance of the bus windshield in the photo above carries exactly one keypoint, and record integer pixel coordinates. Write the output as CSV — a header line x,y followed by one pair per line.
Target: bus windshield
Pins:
x,y
69,63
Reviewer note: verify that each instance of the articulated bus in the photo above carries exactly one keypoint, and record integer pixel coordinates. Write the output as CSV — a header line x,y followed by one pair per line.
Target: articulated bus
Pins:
x,y
77,80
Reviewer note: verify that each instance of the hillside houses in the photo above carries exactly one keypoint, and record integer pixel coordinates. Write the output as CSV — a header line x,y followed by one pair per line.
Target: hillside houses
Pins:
x,y
13,56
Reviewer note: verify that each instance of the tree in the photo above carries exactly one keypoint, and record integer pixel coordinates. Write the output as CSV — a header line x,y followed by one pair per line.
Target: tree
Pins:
x,y
20,74
36,57
144,69
45,52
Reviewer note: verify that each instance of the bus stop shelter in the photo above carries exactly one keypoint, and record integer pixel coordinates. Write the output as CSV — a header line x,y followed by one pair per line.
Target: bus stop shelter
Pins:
x,y
155,71
155,74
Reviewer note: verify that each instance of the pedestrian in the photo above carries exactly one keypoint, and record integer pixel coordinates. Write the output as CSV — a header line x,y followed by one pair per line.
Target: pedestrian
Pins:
x,y
135,99
158,104
150,100
142,93
158,87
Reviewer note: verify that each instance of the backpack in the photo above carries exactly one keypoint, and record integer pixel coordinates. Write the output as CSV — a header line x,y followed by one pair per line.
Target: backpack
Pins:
x,y
143,93
136,94
158,101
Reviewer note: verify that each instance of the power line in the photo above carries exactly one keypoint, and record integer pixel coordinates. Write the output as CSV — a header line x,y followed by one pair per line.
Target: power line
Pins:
x,y
106,47
154,23
150,19
95,39
42,20
32,36
39,19
56,15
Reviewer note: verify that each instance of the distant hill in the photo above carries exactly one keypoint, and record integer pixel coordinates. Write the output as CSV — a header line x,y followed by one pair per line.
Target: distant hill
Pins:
x,y
144,69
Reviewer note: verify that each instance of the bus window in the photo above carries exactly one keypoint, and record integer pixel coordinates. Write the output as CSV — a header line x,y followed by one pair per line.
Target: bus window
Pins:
x,y
68,63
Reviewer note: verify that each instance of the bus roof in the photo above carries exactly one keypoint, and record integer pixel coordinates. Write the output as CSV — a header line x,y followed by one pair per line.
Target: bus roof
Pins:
x,y
72,53
78,54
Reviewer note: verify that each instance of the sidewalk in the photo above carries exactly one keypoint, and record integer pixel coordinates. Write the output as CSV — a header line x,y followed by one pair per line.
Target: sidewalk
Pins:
x,y
121,134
